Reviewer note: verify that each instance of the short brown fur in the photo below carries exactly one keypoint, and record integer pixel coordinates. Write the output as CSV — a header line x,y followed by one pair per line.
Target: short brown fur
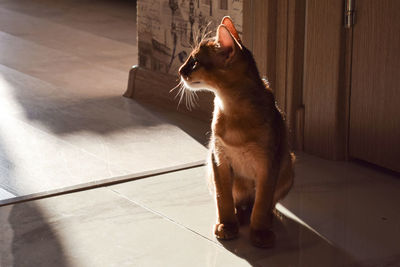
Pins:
x,y
250,163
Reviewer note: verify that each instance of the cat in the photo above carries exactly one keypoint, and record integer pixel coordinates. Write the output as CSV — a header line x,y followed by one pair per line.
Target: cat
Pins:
x,y
249,161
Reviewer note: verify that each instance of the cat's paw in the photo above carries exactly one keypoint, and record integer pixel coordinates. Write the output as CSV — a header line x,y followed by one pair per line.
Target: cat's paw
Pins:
x,y
243,215
262,238
226,231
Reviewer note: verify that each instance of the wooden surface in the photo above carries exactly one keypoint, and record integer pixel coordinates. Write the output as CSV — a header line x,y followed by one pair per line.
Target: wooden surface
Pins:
x,y
375,92
259,34
289,74
323,79
248,20
274,32
280,85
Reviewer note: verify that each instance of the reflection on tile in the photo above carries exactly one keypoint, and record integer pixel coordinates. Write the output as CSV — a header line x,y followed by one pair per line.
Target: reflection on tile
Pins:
x,y
340,217
4,194
20,93
85,143
65,123
135,141
107,53
182,196
32,161
71,73
99,228
352,205
114,20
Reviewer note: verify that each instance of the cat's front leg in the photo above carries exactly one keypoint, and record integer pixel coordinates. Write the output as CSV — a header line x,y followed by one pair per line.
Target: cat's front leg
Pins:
x,y
227,226
261,234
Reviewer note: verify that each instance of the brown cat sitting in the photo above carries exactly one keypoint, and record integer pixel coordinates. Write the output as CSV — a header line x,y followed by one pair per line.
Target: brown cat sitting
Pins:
x,y
249,163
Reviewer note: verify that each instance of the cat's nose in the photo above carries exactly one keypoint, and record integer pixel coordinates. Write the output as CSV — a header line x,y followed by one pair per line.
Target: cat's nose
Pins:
x,y
184,71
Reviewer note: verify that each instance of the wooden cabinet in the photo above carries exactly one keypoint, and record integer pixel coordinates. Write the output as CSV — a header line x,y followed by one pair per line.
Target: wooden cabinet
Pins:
x,y
374,132
340,87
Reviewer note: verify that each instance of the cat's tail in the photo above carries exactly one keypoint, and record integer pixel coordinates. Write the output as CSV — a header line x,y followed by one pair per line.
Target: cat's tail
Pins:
x,y
286,177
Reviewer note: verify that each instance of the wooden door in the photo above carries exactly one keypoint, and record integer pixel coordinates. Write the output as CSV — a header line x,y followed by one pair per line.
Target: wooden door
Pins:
x,y
374,133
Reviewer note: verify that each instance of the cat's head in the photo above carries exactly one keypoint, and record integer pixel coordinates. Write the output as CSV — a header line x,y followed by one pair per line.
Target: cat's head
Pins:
x,y
217,61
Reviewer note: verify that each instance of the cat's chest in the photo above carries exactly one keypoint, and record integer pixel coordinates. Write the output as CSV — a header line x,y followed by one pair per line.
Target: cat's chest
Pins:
x,y
246,161
245,156
242,143
231,132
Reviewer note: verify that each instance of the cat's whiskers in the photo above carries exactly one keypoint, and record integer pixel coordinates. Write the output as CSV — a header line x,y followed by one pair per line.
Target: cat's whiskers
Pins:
x,y
189,100
193,99
190,96
180,93
180,84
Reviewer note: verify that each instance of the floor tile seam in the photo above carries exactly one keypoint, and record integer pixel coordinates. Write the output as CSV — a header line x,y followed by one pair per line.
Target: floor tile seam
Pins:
x,y
48,20
102,183
165,217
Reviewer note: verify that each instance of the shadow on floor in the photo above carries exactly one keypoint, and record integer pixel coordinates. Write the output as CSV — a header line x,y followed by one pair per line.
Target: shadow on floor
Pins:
x,y
98,115
27,239
296,245
197,129
25,234
108,115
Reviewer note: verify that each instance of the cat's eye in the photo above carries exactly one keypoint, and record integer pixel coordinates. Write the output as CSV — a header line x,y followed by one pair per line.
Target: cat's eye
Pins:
x,y
195,63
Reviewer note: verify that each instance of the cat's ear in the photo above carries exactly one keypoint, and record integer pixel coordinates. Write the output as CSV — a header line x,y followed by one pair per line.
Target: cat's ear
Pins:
x,y
227,21
227,43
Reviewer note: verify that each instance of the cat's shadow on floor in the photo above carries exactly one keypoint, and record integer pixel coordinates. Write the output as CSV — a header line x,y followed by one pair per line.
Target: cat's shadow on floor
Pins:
x,y
296,245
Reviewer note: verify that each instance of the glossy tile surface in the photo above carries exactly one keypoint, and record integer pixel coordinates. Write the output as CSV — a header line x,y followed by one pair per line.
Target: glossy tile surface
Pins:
x,y
83,44
34,162
63,124
21,94
338,214
351,204
100,228
63,120
116,21
166,220
5,194
60,140
76,75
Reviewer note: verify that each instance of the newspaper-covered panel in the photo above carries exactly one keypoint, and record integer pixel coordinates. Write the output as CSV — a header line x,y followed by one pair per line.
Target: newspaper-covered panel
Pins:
x,y
167,29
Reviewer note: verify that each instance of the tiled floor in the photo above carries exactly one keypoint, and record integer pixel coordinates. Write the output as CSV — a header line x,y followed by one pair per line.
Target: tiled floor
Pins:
x,y
338,214
63,124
